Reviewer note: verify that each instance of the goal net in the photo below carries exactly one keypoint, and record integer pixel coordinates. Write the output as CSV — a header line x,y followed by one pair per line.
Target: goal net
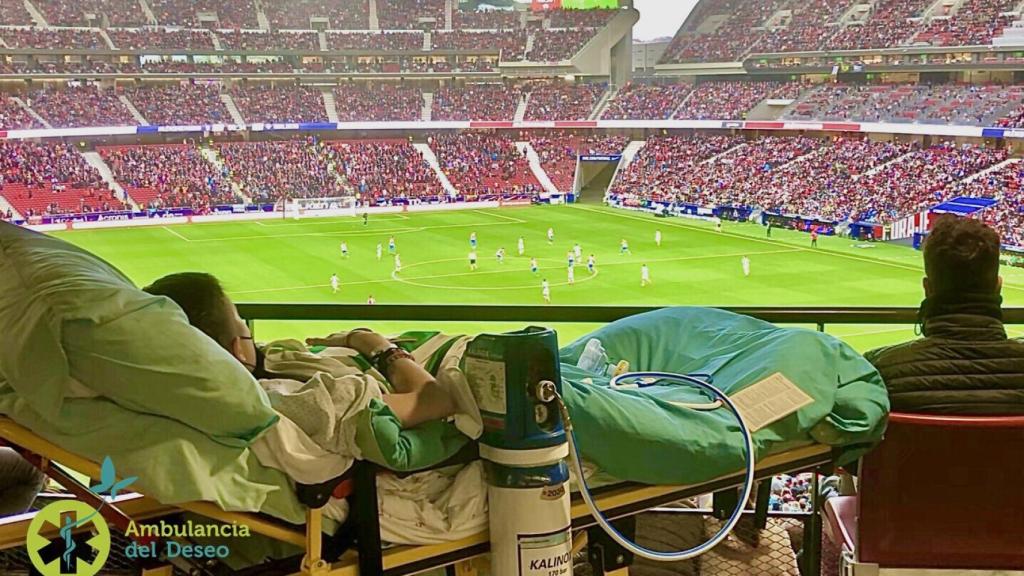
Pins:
x,y
297,208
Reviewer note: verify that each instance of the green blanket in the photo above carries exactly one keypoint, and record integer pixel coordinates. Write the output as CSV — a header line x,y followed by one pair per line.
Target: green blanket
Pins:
x,y
639,435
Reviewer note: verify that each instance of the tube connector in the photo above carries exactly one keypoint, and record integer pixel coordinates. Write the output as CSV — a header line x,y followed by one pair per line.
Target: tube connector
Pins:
x,y
546,391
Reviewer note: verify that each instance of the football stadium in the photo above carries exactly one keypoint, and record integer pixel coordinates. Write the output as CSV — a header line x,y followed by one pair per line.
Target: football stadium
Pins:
x,y
511,287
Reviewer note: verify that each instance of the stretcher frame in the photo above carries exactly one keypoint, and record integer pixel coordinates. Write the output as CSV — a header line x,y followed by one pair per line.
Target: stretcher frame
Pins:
x,y
619,501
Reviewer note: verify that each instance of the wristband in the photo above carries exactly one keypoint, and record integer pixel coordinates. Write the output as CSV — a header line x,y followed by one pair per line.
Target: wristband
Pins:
x,y
385,359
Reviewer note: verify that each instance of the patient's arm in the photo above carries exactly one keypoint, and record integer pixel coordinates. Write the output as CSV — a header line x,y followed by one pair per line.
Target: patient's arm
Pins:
x,y
418,398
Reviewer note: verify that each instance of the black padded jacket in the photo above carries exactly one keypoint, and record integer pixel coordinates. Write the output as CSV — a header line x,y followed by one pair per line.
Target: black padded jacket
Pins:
x,y
965,364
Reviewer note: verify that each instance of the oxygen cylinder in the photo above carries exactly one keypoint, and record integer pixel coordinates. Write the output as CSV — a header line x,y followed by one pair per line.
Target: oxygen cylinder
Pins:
x,y
513,378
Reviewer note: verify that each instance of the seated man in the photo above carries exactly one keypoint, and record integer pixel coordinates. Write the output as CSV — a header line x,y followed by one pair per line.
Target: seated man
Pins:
x,y
965,364
416,398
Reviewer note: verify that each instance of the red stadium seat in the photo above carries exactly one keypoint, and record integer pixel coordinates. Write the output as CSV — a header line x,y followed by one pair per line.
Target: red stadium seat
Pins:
x,y
939,493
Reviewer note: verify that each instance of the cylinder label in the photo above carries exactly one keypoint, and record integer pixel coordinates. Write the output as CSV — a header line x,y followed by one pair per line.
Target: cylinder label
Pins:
x,y
546,554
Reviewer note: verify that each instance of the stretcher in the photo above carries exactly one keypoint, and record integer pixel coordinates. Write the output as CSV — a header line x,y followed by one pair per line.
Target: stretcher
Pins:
x,y
355,549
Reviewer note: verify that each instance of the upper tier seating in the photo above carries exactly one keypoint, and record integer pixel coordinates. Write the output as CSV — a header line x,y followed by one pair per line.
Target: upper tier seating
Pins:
x,y
82,106
72,12
14,117
639,101
476,102
732,100
161,39
406,14
180,104
280,104
231,14
377,102
341,14
562,101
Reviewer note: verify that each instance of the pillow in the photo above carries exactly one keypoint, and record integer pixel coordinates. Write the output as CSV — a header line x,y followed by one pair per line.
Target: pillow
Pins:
x,y
69,318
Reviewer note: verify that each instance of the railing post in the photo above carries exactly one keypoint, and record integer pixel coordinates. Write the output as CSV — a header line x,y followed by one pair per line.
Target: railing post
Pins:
x,y
821,326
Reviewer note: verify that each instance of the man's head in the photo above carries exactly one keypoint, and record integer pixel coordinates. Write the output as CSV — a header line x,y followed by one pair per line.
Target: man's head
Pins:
x,y
210,310
961,255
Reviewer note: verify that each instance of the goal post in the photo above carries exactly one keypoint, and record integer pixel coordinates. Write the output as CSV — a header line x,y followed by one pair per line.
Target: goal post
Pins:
x,y
297,208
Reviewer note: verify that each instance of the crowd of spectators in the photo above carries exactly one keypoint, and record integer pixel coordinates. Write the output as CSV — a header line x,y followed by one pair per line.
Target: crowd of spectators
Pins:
x,y
406,14
731,40
511,45
168,176
732,100
641,101
888,25
157,39
51,178
812,23
381,171
377,102
975,23
72,13
280,104
485,20
845,179
476,102
558,45
53,38
269,41
80,106
977,105
14,117
581,18
270,171
1006,185
233,14
226,67
182,104
559,152
791,494
484,164
14,14
379,41
563,101
663,167
296,14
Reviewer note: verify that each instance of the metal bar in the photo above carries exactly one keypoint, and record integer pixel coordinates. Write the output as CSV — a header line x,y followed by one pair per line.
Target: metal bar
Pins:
x,y
811,554
708,512
460,313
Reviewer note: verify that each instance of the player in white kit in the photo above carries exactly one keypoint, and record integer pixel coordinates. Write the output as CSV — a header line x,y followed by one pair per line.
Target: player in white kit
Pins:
x,y
521,246
657,238
545,291
746,266
551,235
344,250
334,283
380,251
578,251
472,259
645,276
398,263
572,275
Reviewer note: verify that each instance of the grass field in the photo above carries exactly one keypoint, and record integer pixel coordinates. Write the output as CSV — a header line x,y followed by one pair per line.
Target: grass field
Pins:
x,y
292,261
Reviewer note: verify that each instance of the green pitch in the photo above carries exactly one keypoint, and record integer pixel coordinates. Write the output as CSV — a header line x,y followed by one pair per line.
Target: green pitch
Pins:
x,y
292,261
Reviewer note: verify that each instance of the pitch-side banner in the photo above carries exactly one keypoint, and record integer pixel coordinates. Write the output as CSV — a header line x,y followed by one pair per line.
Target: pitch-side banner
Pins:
x,y
541,5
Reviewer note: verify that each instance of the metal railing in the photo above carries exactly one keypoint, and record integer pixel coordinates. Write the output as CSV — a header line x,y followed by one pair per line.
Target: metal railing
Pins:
x,y
820,317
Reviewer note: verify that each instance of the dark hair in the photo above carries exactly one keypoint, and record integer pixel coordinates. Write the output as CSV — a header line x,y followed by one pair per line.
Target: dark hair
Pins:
x,y
961,255
202,299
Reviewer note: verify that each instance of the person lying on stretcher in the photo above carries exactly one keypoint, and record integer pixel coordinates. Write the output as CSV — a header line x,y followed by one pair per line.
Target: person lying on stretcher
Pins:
x,y
411,394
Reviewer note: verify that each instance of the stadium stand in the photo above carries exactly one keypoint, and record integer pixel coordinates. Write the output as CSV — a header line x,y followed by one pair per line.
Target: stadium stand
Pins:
x,y
233,14
53,38
378,41
811,24
14,14
14,117
640,101
511,44
269,41
727,100
889,25
381,171
81,106
72,12
563,101
476,102
161,39
558,45
297,14
227,67
971,105
179,104
406,14
377,102
484,164
559,152
168,176
269,171
975,23
284,104
664,165
731,40
1007,186
485,20
51,178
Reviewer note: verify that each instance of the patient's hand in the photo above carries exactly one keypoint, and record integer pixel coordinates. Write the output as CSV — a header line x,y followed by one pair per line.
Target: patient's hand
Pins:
x,y
365,342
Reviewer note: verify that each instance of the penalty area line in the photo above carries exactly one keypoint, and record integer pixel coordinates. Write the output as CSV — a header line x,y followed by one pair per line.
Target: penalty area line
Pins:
x,y
176,234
